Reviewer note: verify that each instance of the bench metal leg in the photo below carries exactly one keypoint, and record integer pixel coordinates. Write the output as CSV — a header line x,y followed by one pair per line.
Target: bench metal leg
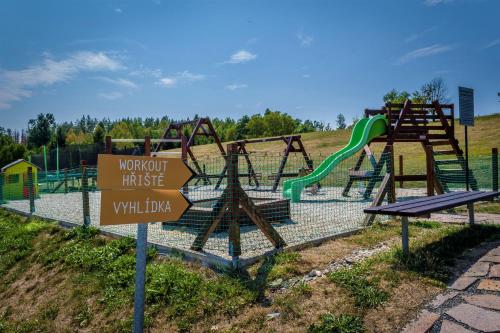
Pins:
x,y
404,235
470,208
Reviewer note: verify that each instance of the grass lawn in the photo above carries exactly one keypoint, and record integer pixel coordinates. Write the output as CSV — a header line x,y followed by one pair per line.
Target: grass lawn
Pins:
x,y
58,280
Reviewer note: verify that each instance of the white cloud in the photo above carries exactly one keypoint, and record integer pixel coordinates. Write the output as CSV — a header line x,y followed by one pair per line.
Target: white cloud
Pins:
x,y
167,82
189,77
118,10
306,76
146,72
18,84
241,57
94,61
424,52
113,95
418,35
235,86
180,78
432,3
492,44
304,40
119,82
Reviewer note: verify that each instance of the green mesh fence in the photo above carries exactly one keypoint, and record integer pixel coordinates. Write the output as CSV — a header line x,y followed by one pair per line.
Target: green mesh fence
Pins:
x,y
451,173
226,220
66,180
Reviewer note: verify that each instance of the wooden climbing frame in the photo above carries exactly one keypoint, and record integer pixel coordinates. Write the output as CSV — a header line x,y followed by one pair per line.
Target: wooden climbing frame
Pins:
x,y
432,125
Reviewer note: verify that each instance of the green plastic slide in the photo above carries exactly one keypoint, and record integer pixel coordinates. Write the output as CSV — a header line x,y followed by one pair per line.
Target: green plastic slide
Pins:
x,y
363,132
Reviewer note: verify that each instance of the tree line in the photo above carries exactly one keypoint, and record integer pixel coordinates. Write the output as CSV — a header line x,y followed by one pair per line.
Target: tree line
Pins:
x,y
45,131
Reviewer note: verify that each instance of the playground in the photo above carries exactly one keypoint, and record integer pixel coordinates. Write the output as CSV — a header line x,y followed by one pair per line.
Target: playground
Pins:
x,y
249,202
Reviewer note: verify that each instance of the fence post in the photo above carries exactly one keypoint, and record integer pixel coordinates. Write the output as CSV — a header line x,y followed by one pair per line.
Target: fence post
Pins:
x,y
65,181
234,206
31,190
108,145
494,169
184,154
390,167
1,188
430,170
401,170
85,194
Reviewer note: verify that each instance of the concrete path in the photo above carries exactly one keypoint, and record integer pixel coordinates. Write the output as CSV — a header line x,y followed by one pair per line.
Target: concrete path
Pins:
x,y
471,303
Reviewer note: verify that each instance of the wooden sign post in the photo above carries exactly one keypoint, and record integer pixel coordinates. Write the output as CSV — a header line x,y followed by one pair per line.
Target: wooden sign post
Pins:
x,y
141,189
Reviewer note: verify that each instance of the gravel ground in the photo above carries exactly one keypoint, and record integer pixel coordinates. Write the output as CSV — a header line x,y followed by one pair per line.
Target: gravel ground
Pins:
x,y
318,216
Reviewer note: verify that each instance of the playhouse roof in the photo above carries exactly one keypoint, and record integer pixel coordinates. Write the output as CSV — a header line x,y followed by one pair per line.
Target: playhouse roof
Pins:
x,y
16,162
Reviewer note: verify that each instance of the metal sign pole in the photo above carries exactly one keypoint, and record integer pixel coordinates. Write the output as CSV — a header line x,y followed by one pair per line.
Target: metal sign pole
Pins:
x,y
140,263
140,277
466,160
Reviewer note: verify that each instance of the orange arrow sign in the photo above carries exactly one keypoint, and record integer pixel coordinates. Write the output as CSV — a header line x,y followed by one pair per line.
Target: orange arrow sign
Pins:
x,y
141,172
142,206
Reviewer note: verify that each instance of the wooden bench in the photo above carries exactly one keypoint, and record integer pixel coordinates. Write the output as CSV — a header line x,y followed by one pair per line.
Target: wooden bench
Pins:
x,y
427,205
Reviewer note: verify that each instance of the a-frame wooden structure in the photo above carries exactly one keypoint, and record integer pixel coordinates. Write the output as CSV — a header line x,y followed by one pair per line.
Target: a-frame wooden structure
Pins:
x,y
201,127
226,210
433,126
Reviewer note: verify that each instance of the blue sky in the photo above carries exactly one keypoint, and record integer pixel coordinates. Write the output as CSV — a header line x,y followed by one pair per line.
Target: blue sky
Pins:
x,y
311,59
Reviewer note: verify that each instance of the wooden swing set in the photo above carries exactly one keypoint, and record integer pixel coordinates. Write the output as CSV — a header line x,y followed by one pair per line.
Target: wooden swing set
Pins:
x,y
293,145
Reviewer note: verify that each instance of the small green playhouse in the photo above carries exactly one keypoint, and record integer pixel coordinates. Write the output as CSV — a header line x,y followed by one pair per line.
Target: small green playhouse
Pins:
x,y
15,180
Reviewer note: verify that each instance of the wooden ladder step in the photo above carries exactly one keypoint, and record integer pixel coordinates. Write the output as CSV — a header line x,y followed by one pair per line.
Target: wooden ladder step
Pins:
x,y
444,152
448,162
439,143
455,173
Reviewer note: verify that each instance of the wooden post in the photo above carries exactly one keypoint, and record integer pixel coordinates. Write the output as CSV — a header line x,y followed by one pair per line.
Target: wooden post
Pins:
x,y
390,165
65,181
184,157
430,170
494,168
401,172
452,113
147,146
1,187
405,236
31,190
108,148
234,199
282,164
85,194
379,198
